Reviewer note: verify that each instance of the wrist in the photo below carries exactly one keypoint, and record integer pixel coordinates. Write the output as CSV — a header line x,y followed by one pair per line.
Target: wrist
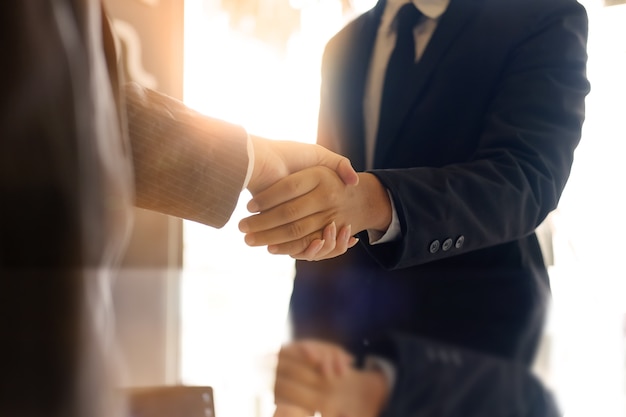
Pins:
x,y
376,392
266,168
375,203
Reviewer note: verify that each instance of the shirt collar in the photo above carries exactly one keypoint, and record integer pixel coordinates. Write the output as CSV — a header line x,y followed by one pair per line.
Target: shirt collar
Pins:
x,y
432,9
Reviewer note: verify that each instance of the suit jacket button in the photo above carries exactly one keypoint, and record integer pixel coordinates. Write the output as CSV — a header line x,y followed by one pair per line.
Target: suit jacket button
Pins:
x,y
447,244
434,246
459,242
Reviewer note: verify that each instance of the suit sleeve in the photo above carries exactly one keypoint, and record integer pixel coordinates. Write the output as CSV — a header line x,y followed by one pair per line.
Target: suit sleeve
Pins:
x,y
523,158
185,164
445,381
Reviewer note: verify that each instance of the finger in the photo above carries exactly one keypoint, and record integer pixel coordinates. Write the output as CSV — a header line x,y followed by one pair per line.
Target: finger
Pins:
x,y
347,240
342,363
301,356
347,173
329,235
313,249
299,372
286,189
326,251
296,236
341,244
344,241
331,359
315,356
301,349
292,237
344,169
296,247
297,383
287,213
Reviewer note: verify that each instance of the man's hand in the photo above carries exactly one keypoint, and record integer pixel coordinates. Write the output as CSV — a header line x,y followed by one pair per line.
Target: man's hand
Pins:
x,y
294,210
274,160
314,376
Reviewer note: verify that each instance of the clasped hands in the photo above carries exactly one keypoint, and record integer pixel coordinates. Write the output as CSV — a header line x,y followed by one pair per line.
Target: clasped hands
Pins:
x,y
318,377
309,201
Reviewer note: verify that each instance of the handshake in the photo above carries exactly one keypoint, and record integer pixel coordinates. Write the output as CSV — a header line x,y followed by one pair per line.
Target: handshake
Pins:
x,y
309,201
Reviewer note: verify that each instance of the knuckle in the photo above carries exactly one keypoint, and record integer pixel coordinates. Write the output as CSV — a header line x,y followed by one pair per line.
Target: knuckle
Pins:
x,y
294,229
301,249
290,211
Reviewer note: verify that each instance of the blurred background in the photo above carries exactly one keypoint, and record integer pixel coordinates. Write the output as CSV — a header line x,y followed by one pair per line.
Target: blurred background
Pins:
x,y
197,306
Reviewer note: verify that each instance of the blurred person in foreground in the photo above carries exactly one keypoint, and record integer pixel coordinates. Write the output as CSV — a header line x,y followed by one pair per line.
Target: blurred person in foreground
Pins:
x,y
78,147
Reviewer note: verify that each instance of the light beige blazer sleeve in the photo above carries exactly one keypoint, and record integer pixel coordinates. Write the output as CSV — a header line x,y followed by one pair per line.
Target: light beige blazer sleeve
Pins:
x,y
185,164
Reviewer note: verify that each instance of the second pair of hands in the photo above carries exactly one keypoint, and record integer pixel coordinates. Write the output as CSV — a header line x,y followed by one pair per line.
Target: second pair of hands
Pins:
x,y
312,213
314,376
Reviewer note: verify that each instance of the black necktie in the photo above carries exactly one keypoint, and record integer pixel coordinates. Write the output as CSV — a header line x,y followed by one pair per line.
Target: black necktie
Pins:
x,y
401,61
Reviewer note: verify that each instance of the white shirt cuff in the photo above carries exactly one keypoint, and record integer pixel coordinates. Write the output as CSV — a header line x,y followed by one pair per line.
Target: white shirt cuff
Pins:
x,y
250,148
384,366
393,231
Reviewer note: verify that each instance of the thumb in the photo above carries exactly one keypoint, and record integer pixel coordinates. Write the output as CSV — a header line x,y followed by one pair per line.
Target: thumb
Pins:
x,y
340,164
346,172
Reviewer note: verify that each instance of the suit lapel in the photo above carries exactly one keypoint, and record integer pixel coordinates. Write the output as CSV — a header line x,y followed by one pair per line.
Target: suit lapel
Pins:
x,y
450,26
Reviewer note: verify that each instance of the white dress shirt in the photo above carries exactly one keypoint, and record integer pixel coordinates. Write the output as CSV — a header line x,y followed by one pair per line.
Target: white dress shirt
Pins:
x,y
383,47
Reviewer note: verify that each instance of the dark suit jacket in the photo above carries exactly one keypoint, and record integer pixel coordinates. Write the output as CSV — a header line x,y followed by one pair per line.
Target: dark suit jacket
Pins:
x,y
477,156
77,148
446,381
